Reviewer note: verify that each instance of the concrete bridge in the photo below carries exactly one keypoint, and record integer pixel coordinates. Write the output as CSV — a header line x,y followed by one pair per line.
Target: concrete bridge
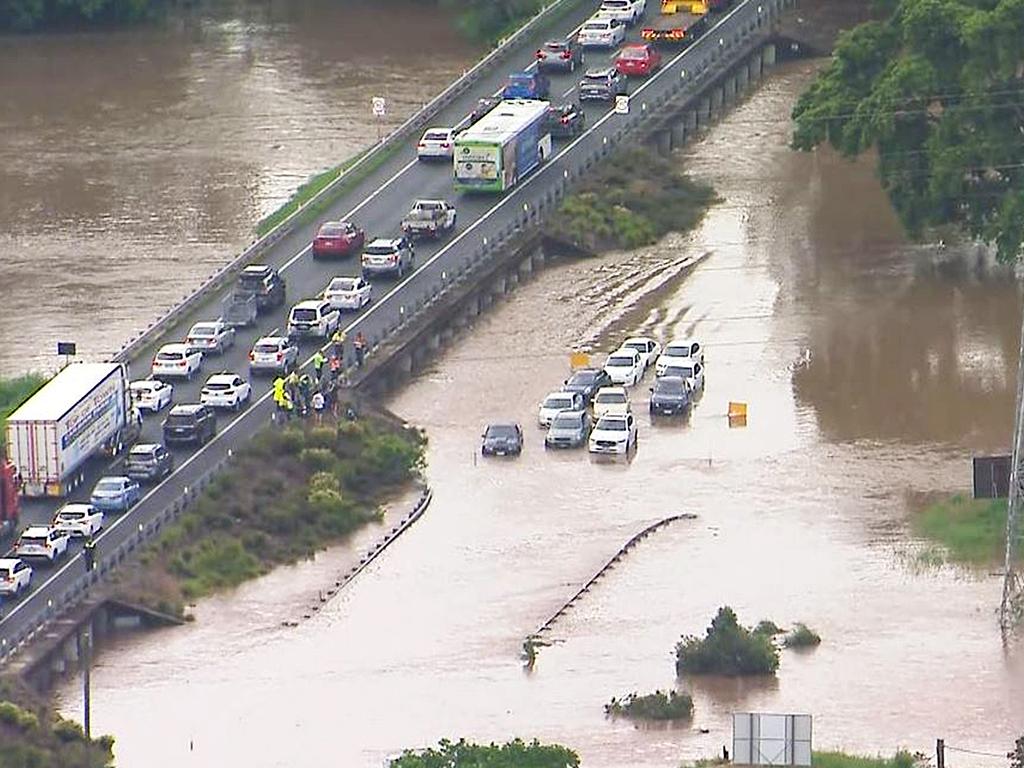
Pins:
x,y
497,245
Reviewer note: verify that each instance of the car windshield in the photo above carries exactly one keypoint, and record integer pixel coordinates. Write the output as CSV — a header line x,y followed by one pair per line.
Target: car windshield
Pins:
x,y
180,420
435,136
332,230
555,47
108,485
218,386
140,454
633,53
557,401
251,281
683,373
614,4
520,79
501,431
421,214
677,350
37,541
343,284
203,330
596,26
612,425
567,420
142,387
620,361
596,77
169,356
6,571
670,386
267,349
611,397
304,315
70,515
380,250
639,346
583,378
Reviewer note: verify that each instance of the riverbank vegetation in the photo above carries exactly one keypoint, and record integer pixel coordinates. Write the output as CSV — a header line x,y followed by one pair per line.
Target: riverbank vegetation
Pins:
x,y
902,759
32,736
968,531
514,754
288,493
659,705
632,200
801,636
13,392
934,91
727,649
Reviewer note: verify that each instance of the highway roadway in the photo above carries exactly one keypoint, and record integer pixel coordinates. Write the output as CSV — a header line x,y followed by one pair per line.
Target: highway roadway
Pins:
x,y
377,204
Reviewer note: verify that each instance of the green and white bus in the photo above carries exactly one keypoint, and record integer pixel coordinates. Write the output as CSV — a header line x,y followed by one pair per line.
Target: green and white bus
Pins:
x,y
501,148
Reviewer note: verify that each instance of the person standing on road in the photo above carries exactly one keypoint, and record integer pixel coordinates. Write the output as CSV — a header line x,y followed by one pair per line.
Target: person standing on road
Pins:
x,y
318,406
338,340
360,347
89,554
318,364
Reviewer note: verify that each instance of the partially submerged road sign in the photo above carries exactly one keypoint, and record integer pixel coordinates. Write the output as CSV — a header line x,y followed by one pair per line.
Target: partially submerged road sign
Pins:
x,y
622,105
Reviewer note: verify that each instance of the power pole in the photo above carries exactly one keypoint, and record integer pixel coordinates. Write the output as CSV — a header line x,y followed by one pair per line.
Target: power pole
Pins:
x,y
940,753
1012,605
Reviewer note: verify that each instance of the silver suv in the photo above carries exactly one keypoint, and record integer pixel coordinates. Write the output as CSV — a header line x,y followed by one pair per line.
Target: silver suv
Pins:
x,y
388,257
273,354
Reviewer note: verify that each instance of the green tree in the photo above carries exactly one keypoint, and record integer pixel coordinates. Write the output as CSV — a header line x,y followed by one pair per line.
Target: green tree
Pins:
x,y
936,90
489,19
727,649
514,754
1017,755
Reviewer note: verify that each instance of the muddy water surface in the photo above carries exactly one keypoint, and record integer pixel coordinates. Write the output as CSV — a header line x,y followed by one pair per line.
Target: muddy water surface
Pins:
x,y
872,370
133,164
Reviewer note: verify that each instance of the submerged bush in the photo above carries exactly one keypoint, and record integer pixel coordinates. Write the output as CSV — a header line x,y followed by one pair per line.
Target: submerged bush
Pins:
x,y
654,706
802,636
727,649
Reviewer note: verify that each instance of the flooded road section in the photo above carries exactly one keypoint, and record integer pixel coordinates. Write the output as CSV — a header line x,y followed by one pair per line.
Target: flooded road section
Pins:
x,y
870,374
135,163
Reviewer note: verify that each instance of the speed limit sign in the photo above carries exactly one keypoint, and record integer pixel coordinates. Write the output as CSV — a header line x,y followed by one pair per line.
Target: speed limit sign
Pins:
x,y
380,106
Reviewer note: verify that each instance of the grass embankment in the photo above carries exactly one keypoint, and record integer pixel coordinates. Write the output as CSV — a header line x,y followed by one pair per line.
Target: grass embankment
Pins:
x,y
968,531
31,736
902,759
13,392
632,200
288,493
654,706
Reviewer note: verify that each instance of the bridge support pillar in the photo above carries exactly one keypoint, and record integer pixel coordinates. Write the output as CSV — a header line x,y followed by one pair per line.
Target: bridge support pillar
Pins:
x,y
704,112
717,97
768,56
690,121
664,143
499,286
742,79
405,365
525,268
678,134
729,91
434,342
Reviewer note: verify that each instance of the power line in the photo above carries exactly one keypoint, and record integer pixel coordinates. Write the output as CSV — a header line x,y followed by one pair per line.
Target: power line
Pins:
x,y
1001,755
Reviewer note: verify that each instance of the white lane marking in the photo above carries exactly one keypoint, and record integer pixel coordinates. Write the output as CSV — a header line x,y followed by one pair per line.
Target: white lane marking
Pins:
x,y
571,89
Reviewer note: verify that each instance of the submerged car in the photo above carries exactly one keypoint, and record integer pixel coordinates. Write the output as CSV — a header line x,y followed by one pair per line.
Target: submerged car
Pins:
x,y
557,402
671,396
569,429
613,434
586,381
502,440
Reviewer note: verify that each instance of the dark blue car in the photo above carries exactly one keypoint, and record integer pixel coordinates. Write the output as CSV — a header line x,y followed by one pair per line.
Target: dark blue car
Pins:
x,y
671,396
527,85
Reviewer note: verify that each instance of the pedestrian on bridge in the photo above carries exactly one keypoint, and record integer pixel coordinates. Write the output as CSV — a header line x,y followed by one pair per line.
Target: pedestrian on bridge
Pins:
x,y
318,364
359,345
89,554
338,340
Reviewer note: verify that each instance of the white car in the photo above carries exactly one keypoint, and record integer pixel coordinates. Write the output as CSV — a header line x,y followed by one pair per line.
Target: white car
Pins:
x,y
78,520
315,317
613,434
436,144
225,390
177,361
151,394
648,348
626,11
601,32
15,576
679,351
691,372
611,401
625,367
43,542
557,402
211,338
348,293
273,354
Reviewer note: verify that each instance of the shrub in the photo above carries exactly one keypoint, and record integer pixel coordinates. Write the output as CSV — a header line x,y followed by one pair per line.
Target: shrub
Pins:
x,y
726,649
67,730
654,706
514,754
13,715
767,627
802,636
318,459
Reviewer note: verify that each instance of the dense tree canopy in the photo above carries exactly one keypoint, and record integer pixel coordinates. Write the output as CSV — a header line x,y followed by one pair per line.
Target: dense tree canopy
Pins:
x,y
938,90
25,15
490,19
514,754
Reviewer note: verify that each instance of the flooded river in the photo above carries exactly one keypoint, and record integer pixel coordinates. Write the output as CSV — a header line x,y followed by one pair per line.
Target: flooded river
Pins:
x,y
134,164
872,369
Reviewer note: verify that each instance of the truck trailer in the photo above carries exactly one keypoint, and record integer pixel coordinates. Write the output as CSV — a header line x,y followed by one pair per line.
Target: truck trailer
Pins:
x,y
9,501
680,22
83,411
494,154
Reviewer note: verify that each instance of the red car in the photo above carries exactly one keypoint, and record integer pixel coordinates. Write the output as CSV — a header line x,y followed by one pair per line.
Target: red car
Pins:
x,y
338,238
638,59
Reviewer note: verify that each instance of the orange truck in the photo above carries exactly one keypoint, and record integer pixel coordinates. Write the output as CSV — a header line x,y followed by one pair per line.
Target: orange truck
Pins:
x,y
680,22
8,498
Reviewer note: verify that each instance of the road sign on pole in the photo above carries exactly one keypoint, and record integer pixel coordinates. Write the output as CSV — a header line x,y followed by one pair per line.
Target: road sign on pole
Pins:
x,y
622,105
380,106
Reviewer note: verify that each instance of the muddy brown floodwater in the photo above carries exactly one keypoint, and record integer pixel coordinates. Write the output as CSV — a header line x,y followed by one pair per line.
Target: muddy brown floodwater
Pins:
x,y
135,163
873,369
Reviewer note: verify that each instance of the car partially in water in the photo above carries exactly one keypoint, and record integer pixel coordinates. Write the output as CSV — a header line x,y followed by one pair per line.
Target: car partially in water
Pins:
x,y
502,440
569,429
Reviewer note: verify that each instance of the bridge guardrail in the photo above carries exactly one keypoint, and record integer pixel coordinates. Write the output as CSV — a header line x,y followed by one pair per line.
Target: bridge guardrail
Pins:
x,y
742,28
415,122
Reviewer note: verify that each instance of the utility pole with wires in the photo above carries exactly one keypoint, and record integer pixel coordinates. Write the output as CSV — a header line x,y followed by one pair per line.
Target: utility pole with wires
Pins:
x,y
1011,608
